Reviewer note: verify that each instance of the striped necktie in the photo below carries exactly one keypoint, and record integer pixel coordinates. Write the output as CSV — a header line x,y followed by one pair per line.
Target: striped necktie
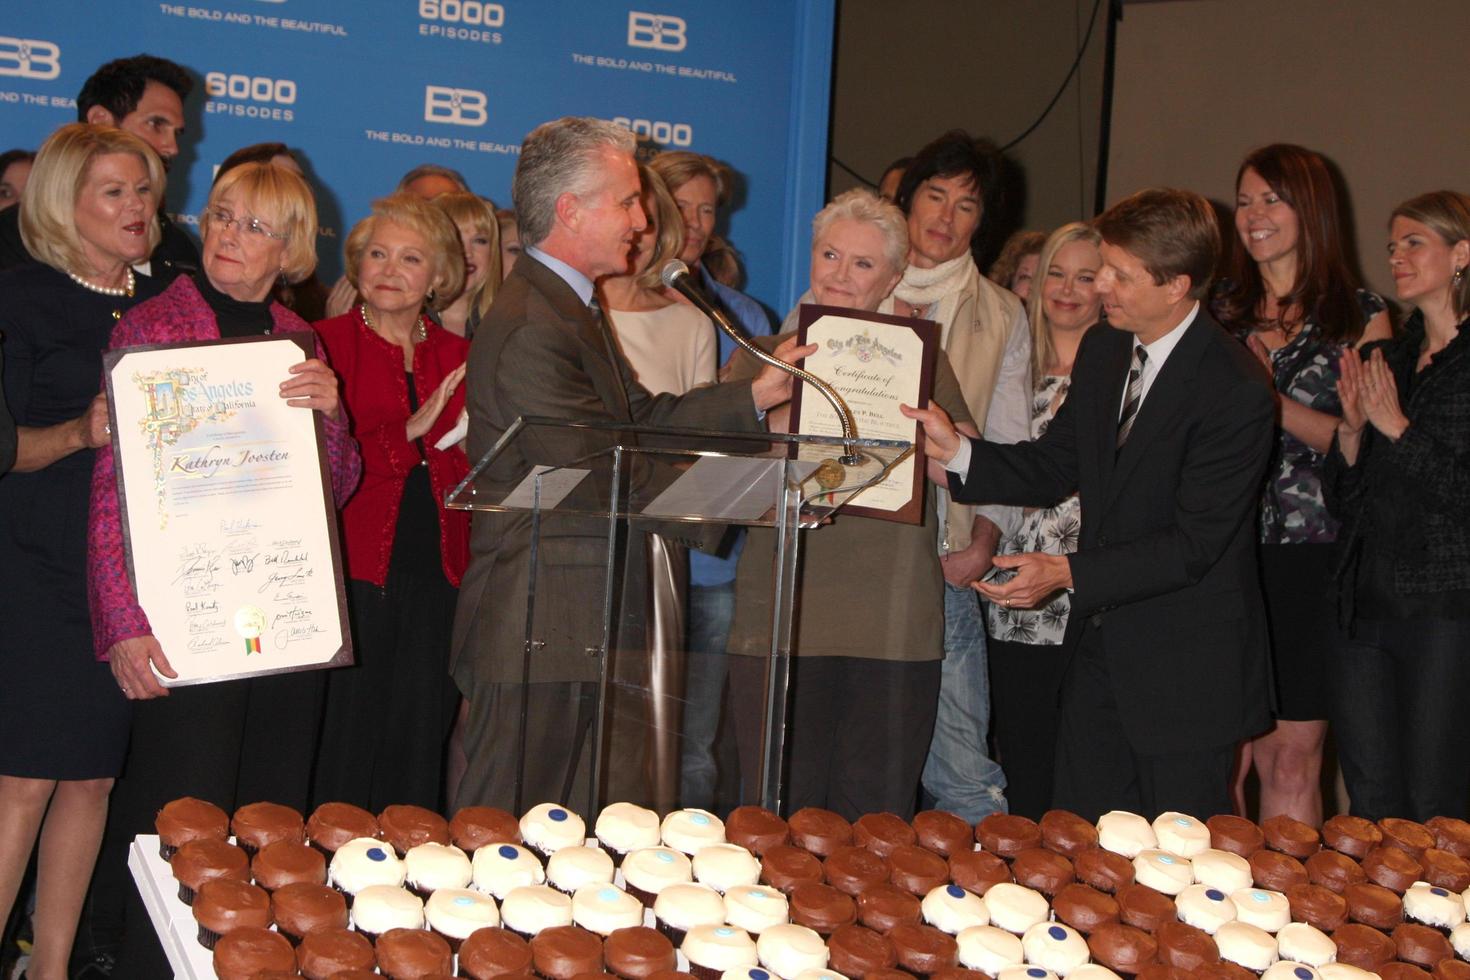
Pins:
x,y
1135,395
604,329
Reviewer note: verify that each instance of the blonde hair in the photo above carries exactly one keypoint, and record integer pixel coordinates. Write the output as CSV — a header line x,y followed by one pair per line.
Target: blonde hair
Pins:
x,y
431,224
679,167
464,207
1447,214
1042,349
668,226
862,205
48,224
279,197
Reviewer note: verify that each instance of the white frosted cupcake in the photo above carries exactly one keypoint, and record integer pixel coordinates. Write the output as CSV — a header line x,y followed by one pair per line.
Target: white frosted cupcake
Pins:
x,y
820,975
577,867
624,827
649,870
683,906
1342,971
1221,869
454,913
1015,908
690,829
747,973
361,863
1434,906
529,909
1305,943
952,909
1092,971
379,908
1162,871
1055,947
754,908
605,908
1261,908
1460,940
1125,833
429,867
1287,970
989,949
724,866
1246,945
1025,973
499,869
787,950
711,950
1204,908
548,827
1181,834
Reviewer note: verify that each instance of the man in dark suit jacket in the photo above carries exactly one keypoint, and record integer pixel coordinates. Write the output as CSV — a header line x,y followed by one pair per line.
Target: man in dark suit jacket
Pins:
x,y
1167,449
545,351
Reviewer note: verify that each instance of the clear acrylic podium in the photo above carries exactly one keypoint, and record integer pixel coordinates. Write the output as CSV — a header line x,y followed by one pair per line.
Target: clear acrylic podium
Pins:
x,y
596,501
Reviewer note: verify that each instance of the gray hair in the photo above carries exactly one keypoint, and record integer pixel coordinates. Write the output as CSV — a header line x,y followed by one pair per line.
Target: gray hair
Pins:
x,y
861,204
432,170
557,158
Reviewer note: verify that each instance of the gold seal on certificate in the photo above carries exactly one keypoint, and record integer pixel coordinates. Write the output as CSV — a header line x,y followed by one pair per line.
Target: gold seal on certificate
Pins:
x,y
228,518
876,362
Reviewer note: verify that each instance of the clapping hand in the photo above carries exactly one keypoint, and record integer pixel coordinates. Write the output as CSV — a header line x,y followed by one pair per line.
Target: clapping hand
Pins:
x,y
420,422
1369,394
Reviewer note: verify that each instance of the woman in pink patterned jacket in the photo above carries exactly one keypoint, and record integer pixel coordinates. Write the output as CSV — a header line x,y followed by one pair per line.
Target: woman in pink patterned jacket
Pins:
x,y
239,741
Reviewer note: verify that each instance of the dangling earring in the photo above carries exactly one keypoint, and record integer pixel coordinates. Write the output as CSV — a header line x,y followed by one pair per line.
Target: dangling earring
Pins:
x,y
1459,277
430,297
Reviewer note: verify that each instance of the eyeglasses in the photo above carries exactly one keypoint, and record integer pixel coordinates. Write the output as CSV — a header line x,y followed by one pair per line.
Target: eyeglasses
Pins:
x,y
250,227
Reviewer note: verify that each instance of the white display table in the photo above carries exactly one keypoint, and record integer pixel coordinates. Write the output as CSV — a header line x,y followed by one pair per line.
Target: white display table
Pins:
x,y
172,919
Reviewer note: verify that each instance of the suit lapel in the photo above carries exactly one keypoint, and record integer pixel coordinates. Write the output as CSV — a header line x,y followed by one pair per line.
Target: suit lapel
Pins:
x,y
1166,396
599,360
1110,392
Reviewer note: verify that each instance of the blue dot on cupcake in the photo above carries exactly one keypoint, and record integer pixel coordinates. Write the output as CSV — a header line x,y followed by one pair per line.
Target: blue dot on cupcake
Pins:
x,y
1057,933
1166,859
1303,973
557,814
724,931
1438,891
1260,897
464,900
608,895
663,856
756,973
1215,895
376,854
507,851
1182,821
954,891
698,819
1035,972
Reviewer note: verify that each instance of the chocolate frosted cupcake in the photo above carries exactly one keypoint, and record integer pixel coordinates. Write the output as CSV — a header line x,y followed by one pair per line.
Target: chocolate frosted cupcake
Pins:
x,y
411,954
756,829
1084,908
1066,833
1334,871
856,951
923,950
978,871
638,951
1103,869
257,824
881,833
246,953
1451,834
1451,970
1373,905
942,832
1121,948
224,905
1043,870
1406,835
1007,834
917,870
1401,971
882,907
1276,871
562,952
1223,970
198,861
1421,945
853,869
1235,834
819,831
406,827
333,824
1445,869
323,955
785,866
1185,947
301,909
1290,836
473,827
186,819
1350,835
285,862
490,953
1317,906
1144,908
1392,867
821,907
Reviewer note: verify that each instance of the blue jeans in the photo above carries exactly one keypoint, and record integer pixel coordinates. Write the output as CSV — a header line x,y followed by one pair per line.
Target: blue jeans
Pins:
x,y
711,608
959,774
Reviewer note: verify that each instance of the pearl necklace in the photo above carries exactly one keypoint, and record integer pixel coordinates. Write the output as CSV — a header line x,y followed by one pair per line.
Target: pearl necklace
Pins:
x,y
420,331
106,290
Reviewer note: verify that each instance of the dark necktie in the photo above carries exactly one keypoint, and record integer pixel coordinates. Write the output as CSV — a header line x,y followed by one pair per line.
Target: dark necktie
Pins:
x,y
1135,395
604,329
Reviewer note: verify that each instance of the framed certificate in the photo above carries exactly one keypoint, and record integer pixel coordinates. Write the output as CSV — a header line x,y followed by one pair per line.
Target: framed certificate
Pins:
x,y
227,513
876,362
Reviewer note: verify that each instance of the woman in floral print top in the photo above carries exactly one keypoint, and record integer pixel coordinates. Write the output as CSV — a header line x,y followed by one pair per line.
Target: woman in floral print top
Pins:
x,y
1026,657
1292,299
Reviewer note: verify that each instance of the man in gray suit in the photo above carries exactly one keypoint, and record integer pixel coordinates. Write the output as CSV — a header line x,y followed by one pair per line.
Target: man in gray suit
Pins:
x,y
545,350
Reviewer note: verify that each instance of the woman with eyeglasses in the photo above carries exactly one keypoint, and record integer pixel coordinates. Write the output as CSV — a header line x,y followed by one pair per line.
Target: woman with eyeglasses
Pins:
x,y
232,742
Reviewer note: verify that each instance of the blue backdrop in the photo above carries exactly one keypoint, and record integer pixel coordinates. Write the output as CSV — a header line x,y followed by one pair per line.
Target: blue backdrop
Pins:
x,y
367,89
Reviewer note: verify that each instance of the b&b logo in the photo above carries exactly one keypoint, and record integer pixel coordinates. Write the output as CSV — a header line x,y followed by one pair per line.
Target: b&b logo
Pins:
x,y
662,32
27,58
455,106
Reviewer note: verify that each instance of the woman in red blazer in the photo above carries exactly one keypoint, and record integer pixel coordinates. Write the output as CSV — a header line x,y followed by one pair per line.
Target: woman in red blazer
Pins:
x,y
388,716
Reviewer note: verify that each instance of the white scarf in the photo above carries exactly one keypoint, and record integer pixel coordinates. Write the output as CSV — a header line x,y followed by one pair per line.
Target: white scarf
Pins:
x,y
920,287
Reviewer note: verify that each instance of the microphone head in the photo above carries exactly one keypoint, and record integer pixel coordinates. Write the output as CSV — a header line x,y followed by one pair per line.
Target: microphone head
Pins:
x,y
673,270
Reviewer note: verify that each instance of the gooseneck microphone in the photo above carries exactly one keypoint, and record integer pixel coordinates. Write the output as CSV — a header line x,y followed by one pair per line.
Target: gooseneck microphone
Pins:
x,y
675,275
